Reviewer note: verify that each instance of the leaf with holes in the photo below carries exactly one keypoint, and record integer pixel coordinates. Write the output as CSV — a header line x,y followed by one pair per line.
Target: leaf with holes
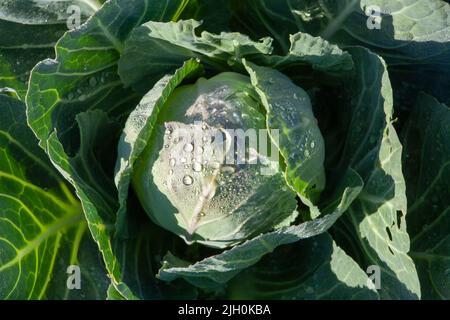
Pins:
x,y
427,163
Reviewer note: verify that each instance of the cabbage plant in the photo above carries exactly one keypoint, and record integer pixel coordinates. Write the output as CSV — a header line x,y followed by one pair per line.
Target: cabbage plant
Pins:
x,y
225,149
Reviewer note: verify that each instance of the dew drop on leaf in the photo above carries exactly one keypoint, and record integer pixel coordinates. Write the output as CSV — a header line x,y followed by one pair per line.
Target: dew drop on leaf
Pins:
x,y
92,82
188,147
215,165
188,180
197,167
228,169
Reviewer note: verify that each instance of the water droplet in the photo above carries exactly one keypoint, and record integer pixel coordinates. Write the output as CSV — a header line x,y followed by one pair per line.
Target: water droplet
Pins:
x,y
309,290
204,127
215,165
170,171
197,167
312,145
92,82
228,169
188,147
183,160
188,180
307,153
166,146
202,214
172,162
205,139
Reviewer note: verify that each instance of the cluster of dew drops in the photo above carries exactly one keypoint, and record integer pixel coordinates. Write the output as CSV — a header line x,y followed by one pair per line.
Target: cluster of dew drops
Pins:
x,y
197,165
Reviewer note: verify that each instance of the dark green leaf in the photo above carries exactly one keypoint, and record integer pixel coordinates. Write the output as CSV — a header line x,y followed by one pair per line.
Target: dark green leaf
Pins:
x,y
316,269
372,148
156,48
427,167
30,29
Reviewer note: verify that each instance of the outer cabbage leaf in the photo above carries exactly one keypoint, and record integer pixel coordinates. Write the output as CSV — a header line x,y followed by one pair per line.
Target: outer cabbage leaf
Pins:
x,y
157,48
215,15
412,36
113,294
426,164
43,231
30,29
76,107
374,231
316,269
277,18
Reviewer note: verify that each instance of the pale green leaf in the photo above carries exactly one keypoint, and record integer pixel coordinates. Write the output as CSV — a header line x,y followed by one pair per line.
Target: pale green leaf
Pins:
x,y
138,130
76,105
43,231
289,110
218,269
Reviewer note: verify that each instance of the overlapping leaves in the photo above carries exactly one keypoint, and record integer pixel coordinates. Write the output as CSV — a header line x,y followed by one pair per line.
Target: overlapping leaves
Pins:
x,y
78,103
43,231
30,30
